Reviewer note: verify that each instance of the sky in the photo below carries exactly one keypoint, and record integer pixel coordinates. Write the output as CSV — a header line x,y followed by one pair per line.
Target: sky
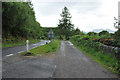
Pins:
x,y
87,15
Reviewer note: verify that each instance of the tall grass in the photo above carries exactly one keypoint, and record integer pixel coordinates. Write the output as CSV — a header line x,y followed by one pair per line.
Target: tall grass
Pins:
x,y
48,48
107,60
18,42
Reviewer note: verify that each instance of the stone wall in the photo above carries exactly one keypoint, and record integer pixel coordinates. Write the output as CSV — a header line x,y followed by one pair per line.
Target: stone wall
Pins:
x,y
111,50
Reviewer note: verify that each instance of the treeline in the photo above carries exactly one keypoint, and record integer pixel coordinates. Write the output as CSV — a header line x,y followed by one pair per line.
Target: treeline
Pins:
x,y
57,33
18,20
65,29
110,39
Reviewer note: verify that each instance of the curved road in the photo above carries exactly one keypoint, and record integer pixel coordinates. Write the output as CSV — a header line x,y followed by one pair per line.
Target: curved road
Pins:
x,y
18,49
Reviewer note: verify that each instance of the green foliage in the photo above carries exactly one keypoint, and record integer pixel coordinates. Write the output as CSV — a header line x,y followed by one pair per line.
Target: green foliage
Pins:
x,y
93,48
103,39
76,31
46,30
104,33
16,42
18,20
117,37
91,33
65,26
48,48
51,47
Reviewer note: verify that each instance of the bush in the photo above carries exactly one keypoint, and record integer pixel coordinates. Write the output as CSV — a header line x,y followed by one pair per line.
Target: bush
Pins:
x,y
92,45
117,37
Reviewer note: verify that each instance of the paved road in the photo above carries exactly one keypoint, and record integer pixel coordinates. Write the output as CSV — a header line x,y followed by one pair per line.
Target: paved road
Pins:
x,y
72,63
18,49
68,62
27,67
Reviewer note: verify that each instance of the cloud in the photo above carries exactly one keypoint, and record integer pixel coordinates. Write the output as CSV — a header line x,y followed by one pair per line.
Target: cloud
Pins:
x,y
86,14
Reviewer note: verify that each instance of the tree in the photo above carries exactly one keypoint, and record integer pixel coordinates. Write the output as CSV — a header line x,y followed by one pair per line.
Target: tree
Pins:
x,y
117,33
65,26
117,37
104,33
18,20
91,33
76,32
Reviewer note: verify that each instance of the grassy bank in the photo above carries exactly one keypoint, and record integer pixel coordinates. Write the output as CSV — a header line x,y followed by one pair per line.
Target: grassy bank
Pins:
x,y
107,60
12,43
48,48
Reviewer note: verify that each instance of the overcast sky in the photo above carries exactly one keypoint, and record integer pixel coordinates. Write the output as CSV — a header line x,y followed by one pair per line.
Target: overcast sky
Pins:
x,y
86,14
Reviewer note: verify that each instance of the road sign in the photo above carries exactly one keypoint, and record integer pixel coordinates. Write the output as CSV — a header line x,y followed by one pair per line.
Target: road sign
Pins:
x,y
51,34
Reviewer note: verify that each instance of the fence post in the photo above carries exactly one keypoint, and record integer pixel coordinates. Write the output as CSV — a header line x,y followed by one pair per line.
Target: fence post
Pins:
x,y
27,45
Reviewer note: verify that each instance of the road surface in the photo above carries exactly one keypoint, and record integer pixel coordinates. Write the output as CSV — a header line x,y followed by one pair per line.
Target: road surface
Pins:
x,y
68,62
72,63
18,49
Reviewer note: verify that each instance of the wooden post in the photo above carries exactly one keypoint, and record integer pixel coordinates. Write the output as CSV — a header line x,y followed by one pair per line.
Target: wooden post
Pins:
x,y
27,45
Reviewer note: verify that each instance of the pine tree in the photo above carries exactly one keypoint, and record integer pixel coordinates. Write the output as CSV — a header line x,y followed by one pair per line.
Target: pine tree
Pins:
x,y
65,26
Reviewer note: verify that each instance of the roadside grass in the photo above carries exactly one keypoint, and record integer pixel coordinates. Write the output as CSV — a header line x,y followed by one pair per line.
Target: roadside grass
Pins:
x,y
51,47
107,60
18,42
0,42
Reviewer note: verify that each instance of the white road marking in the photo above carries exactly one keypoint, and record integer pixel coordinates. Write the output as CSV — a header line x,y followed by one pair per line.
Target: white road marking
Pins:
x,y
33,47
34,44
42,44
63,48
70,43
55,66
9,55
21,51
74,47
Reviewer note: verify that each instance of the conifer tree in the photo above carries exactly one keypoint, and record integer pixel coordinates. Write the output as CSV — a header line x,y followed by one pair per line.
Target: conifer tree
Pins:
x,y
65,26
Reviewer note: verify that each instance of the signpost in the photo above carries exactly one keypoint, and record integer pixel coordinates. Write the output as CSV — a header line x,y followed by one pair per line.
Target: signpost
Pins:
x,y
27,45
51,34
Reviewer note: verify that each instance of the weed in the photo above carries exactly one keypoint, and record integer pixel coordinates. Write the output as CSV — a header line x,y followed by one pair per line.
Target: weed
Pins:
x,y
48,48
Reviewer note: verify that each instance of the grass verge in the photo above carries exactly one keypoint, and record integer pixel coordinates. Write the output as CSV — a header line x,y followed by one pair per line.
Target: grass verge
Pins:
x,y
48,48
108,61
17,42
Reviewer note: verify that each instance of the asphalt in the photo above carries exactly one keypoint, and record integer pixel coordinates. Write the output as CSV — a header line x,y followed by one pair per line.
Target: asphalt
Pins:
x,y
68,62
18,49
72,63
27,67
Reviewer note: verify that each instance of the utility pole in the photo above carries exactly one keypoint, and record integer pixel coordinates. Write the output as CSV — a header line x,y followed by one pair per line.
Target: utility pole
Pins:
x,y
119,14
117,21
